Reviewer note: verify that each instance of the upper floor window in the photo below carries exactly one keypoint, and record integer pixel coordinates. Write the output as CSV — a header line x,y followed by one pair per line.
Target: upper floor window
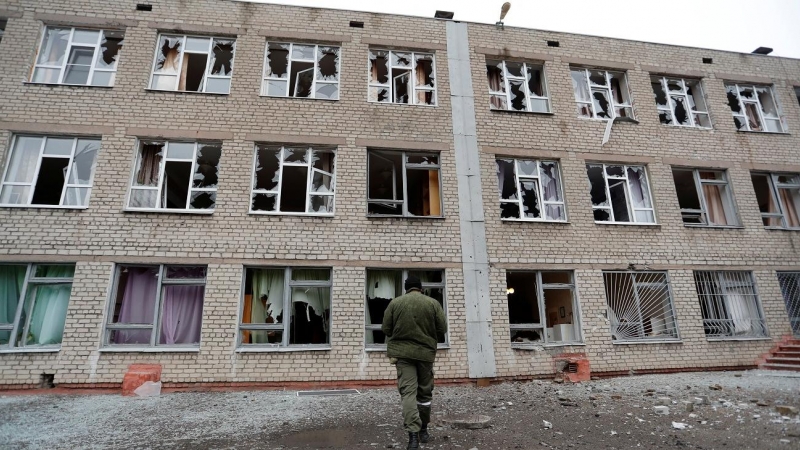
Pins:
x,y
517,86
797,93
175,176
730,305
754,108
542,308
402,77
33,304
293,180
193,64
49,171
778,198
640,306
77,56
705,197
620,194
403,184
530,190
3,23
301,70
680,102
601,94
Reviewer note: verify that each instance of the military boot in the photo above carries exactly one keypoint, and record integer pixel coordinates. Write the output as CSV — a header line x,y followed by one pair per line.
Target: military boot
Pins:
x,y
413,441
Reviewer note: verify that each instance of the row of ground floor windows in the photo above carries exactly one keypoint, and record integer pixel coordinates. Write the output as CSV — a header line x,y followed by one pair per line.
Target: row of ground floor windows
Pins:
x,y
162,305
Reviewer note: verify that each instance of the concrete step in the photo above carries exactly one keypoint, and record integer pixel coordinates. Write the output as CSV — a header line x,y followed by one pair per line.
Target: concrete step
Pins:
x,y
782,354
780,367
789,348
783,360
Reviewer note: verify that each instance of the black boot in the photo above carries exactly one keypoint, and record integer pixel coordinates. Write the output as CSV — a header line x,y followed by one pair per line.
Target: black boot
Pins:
x,y
424,437
413,441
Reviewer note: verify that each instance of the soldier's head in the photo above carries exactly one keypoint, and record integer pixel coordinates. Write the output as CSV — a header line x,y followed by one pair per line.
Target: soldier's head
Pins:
x,y
413,284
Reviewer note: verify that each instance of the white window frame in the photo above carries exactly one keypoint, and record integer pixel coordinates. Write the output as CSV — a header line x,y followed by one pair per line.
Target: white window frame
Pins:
x,y
310,171
158,309
96,49
67,184
315,61
404,167
775,186
637,299
209,58
507,77
691,112
762,117
519,178
703,211
744,279
368,328
631,209
541,327
31,282
284,327
609,93
160,187
413,71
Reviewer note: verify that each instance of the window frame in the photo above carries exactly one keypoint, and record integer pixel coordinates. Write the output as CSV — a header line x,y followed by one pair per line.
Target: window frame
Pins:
x,y
3,25
158,310
631,209
607,87
638,301
265,78
518,179
161,169
541,328
31,280
311,170
368,328
718,277
285,327
688,101
206,74
775,187
67,184
703,211
96,51
404,167
413,71
507,77
742,116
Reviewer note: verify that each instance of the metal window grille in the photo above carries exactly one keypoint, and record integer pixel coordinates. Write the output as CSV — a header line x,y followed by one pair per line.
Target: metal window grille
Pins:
x,y
640,306
790,286
730,305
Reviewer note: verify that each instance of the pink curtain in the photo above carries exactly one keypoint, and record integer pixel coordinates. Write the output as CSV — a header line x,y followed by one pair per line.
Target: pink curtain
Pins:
x,y
138,303
182,314
716,208
790,211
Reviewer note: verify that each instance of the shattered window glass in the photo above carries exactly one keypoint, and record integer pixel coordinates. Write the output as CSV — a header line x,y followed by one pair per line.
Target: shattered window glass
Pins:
x,y
301,71
542,308
403,184
754,108
705,197
600,94
3,23
620,193
60,176
530,190
193,64
78,57
294,180
401,77
517,86
778,198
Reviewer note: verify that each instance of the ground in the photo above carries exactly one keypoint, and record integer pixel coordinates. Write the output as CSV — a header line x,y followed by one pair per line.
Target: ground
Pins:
x,y
609,413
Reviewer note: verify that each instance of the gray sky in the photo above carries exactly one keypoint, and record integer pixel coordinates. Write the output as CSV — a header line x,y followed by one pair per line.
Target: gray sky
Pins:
x,y
736,25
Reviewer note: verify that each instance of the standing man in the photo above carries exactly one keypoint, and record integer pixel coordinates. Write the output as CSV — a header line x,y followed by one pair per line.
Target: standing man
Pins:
x,y
414,323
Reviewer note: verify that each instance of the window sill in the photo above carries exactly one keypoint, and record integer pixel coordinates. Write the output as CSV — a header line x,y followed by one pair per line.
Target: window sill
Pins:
x,y
630,224
171,211
779,133
31,350
591,119
78,208
382,348
407,217
372,102
149,350
684,127
290,214
551,222
728,339
533,113
300,98
263,349
718,227
214,94
535,346
781,229
31,83
648,341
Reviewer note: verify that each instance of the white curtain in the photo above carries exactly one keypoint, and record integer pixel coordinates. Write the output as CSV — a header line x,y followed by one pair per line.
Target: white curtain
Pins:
x,y
49,313
316,298
381,284
267,283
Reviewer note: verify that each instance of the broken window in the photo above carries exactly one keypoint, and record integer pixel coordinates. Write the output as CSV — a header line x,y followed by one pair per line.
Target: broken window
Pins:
x,y
680,102
542,308
402,77
517,86
383,285
301,71
176,176
754,108
77,56
156,305
33,304
530,190
797,93
601,94
293,180
640,306
403,184
620,193
730,305
705,197
3,23
286,307
193,64
49,171
778,197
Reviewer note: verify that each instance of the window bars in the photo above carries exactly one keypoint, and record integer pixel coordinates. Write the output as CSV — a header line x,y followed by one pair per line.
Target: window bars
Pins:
x,y
640,306
790,287
730,305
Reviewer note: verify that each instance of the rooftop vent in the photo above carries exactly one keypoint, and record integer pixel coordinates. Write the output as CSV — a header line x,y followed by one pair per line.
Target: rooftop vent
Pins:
x,y
707,60
144,7
443,15
762,51
356,24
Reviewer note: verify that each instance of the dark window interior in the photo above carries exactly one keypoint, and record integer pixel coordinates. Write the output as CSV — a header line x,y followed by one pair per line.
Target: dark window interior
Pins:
x,y
293,189
50,182
196,70
177,176
523,305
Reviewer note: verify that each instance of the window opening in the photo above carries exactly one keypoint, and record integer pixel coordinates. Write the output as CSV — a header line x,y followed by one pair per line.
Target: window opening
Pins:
x,y
778,197
530,190
601,94
78,56
705,197
640,306
193,64
3,23
542,308
730,305
402,77
403,184
620,194
790,287
301,71
680,102
754,108
517,86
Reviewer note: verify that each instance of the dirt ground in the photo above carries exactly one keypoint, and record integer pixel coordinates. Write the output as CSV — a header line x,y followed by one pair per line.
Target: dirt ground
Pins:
x,y
740,413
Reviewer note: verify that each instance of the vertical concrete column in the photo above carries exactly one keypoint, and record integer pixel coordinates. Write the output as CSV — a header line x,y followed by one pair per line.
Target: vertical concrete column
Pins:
x,y
475,259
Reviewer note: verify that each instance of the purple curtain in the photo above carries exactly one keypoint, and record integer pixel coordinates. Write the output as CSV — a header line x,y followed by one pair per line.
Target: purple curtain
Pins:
x,y
182,315
138,303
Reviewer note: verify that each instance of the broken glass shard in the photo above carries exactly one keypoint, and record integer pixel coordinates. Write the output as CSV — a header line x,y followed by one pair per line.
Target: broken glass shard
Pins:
x,y
378,68
601,105
278,60
168,58
597,185
424,70
305,52
203,200
267,167
322,204
658,92
328,64
222,57
507,182
205,175
530,198
401,59
509,210
264,202
518,101
681,111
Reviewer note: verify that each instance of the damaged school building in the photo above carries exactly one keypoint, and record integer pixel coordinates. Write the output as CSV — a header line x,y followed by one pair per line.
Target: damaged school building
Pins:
x,y
233,192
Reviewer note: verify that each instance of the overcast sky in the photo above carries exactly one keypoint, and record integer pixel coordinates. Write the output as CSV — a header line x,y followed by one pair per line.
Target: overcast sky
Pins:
x,y
736,25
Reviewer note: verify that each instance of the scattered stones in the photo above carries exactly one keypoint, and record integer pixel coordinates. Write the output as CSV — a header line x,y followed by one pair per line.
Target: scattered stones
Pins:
x,y
679,425
616,397
762,403
701,400
666,401
689,406
468,421
715,387
662,410
547,425
785,410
